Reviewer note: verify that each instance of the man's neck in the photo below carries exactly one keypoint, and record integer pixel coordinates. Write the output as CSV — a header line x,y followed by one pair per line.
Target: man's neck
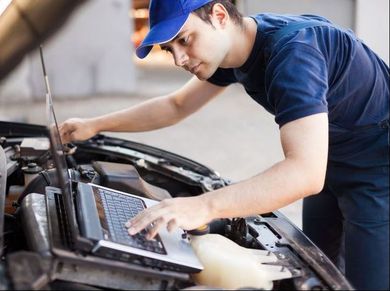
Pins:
x,y
243,39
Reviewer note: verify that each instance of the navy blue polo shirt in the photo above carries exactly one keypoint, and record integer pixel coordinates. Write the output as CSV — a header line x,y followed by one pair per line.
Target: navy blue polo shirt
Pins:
x,y
313,70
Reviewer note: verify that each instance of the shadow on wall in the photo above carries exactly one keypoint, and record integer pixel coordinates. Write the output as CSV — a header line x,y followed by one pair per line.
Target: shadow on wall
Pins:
x,y
90,55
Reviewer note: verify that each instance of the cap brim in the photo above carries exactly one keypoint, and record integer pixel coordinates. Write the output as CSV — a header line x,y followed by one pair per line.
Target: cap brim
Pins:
x,y
163,32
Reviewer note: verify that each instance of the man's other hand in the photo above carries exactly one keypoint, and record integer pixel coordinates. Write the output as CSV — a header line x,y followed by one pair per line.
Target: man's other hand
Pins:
x,y
76,129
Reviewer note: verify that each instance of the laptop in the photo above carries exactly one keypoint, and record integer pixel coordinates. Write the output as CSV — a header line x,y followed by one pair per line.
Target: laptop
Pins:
x,y
95,216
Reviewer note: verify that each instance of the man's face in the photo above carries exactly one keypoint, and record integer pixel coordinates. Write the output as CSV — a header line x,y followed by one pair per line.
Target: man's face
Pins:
x,y
199,48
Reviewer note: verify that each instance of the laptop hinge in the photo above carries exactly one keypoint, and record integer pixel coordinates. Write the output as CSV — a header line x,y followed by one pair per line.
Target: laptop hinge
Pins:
x,y
71,240
87,213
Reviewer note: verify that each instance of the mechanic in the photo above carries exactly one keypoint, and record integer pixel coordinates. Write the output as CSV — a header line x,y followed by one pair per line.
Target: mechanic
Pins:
x,y
330,96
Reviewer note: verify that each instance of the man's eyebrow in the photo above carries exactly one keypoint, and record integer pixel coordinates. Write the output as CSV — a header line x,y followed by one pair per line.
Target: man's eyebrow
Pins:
x,y
179,34
165,45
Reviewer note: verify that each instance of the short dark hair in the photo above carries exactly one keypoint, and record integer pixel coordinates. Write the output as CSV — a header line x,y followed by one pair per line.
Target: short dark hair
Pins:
x,y
205,11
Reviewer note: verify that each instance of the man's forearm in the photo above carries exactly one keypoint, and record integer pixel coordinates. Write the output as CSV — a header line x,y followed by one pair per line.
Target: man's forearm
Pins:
x,y
152,114
300,174
282,184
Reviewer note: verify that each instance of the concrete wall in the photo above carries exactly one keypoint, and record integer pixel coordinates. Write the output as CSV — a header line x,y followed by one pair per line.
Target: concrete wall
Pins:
x,y
368,18
338,11
372,25
91,55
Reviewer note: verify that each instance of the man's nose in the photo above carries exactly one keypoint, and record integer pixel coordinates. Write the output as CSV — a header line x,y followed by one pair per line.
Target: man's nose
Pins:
x,y
180,57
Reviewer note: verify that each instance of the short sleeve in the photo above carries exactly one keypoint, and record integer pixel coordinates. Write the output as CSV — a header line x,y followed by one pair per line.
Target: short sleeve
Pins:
x,y
297,82
223,77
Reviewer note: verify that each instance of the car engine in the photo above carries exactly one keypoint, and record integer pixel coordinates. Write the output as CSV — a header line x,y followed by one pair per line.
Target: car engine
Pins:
x,y
286,258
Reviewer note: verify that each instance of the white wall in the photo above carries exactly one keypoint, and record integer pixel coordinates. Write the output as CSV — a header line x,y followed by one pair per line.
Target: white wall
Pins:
x,y
341,12
372,25
368,18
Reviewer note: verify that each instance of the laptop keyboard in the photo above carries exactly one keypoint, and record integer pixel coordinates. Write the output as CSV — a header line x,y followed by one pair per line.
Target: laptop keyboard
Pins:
x,y
119,209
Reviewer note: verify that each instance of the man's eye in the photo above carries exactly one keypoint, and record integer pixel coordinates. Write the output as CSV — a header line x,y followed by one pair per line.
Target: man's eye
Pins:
x,y
184,40
167,50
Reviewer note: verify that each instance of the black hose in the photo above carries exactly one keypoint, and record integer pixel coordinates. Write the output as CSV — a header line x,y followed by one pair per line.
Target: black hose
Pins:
x,y
38,185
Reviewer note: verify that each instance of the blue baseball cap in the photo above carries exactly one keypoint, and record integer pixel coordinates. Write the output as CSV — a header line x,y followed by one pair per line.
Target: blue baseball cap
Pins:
x,y
166,18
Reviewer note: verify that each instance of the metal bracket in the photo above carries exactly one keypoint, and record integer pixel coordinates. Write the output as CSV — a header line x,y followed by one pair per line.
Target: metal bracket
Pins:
x,y
28,270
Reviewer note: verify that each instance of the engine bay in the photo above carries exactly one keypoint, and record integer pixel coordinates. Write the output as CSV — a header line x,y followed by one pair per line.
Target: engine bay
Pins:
x,y
27,259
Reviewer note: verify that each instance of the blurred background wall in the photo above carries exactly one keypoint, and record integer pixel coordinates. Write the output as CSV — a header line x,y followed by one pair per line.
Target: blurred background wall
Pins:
x,y
368,18
372,25
341,12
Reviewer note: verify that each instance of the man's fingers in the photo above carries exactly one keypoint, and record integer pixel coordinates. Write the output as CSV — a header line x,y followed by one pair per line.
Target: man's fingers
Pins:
x,y
172,225
140,216
63,128
66,131
64,137
73,136
142,220
145,213
157,225
160,215
69,129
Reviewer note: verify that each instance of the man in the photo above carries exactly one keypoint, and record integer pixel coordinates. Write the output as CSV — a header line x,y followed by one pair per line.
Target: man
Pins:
x,y
330,96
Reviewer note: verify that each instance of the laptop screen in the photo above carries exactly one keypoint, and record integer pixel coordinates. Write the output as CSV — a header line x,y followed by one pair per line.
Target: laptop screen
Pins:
x,y
56,144
58,155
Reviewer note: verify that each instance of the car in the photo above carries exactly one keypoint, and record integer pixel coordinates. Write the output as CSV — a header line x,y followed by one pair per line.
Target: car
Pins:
x,y
284,257
27,168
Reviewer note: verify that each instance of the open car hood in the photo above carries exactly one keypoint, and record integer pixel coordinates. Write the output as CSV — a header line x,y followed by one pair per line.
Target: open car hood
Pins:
x,y
25,24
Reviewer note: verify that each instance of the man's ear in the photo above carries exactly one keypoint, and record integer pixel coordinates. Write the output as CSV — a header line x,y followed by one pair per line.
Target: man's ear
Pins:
x,y
219,14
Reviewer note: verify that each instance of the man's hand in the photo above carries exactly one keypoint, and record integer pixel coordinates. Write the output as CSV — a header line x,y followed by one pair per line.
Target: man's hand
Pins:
x,y
76,129
186,213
